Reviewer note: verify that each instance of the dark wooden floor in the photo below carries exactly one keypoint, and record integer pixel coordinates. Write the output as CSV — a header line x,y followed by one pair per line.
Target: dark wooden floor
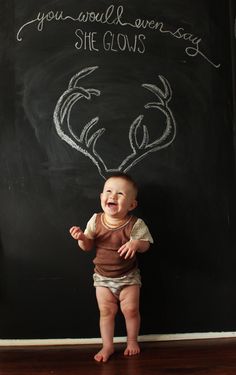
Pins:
x,y
198,357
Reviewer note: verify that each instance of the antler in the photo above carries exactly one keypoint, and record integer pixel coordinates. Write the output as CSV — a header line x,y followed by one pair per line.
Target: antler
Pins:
x,y
141,149
86,142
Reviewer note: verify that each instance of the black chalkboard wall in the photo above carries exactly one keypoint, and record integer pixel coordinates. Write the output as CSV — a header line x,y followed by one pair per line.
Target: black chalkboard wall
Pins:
x,y
89,87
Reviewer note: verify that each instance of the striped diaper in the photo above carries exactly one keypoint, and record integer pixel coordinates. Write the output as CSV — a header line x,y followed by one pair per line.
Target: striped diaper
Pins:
x,y
116,284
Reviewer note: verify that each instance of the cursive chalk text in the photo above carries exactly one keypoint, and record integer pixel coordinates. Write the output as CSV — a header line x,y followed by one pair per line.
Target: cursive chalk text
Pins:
x,y
115,15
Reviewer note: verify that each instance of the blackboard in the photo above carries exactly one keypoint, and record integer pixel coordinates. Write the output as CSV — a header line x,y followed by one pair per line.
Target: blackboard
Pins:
x,y
233,51
90,87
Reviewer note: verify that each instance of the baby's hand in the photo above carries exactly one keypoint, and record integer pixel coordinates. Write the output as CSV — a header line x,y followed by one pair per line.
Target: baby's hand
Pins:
x,y
129,249
77,233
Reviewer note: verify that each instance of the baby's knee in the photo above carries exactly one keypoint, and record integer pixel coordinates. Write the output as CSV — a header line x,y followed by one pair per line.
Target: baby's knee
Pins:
x,y
108,310
130,311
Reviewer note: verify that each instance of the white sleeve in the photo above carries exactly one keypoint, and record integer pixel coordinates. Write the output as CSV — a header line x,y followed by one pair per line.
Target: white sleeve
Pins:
x,y
140,231
91,227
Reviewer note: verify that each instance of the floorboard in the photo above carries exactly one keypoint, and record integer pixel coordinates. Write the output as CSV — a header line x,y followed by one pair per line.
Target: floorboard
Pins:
x,y
197,357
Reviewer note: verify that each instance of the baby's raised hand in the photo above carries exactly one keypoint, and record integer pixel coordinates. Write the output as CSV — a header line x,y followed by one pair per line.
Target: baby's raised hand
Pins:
x,y
77,233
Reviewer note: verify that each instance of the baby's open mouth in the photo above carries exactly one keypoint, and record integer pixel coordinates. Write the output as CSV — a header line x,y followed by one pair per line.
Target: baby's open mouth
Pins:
x,y
112,204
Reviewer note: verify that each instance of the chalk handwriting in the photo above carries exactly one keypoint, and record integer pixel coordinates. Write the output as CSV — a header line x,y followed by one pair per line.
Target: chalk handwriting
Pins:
x,y
113,42
115,15
86,141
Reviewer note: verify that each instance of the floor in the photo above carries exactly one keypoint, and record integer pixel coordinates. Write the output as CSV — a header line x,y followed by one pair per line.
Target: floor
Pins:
x,y
195,357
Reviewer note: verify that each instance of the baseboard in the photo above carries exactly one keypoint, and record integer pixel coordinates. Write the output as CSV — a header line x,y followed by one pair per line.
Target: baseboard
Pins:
x,y
144,338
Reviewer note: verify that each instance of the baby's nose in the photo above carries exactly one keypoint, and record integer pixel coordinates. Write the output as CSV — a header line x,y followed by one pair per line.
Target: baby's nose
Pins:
x,y
114,195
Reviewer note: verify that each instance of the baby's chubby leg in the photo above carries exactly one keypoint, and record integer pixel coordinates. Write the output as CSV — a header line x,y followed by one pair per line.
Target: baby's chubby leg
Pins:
x,y
108,306
129,304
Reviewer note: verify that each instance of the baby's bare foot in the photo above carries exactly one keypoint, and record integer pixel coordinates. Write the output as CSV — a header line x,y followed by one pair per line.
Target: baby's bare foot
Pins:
x,y
104,354
132,348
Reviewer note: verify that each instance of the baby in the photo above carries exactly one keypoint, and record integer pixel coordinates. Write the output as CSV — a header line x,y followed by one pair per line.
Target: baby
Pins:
x,y
117,235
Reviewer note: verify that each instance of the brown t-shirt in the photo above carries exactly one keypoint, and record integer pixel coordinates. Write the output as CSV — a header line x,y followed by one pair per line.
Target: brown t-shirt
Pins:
x,y
107,241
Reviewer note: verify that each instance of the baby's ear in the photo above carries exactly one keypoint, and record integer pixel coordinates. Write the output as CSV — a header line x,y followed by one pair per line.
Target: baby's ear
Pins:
x,y
133,205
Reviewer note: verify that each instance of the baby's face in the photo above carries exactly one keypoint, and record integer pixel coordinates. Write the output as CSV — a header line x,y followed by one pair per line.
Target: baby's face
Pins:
x,y
118,197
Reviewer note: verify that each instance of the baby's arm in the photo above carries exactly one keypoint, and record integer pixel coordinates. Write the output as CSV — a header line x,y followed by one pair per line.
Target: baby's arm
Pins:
x,y
84,242
140,240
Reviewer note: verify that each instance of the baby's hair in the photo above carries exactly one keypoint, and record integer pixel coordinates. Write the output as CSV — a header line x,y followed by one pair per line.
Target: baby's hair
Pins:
x,y
127,178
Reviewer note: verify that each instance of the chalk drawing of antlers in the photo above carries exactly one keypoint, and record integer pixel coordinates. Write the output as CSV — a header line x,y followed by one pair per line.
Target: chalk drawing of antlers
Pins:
x,y
86,142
